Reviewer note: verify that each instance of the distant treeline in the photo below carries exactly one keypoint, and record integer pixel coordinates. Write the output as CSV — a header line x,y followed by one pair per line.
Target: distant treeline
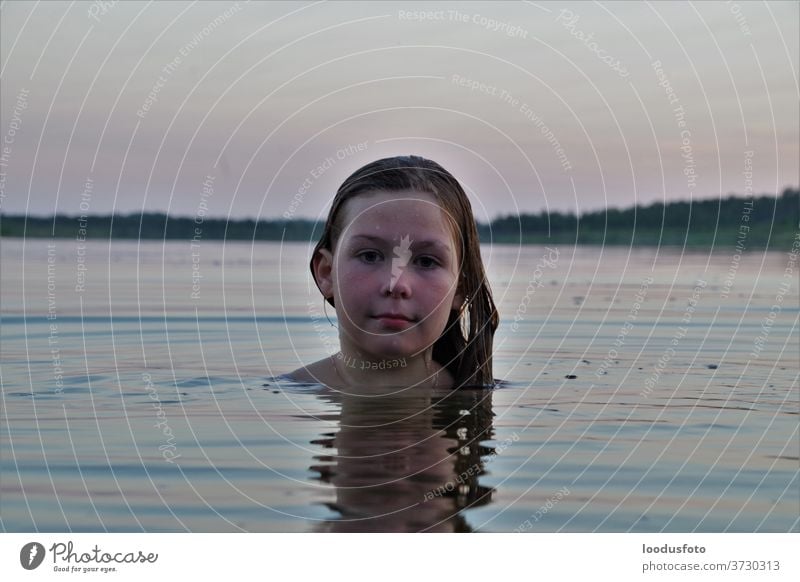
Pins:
x,y
734,221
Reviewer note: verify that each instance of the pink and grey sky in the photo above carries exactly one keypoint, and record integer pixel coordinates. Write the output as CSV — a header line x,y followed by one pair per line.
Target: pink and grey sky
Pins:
x,y
260,110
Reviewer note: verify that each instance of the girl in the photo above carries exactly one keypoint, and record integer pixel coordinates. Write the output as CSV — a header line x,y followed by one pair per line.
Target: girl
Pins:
x,y
400,262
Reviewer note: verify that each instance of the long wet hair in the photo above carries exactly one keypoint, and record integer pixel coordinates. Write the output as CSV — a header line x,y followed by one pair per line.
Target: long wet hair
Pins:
x,y
465,346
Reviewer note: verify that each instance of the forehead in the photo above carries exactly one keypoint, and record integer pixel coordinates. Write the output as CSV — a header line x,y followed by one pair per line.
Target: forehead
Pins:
x,y
401,213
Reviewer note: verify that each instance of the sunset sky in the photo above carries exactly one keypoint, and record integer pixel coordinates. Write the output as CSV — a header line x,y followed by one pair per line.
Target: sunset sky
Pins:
x,y
260,110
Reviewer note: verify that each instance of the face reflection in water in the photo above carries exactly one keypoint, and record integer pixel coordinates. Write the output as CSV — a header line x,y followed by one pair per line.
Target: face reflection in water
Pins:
x,y
406,462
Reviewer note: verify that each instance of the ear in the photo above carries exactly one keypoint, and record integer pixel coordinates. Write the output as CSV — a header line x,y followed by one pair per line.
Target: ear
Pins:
x,y
323,272
458,298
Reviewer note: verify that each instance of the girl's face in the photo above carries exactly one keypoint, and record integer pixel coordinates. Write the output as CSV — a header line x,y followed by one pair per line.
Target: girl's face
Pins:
x,y
393,275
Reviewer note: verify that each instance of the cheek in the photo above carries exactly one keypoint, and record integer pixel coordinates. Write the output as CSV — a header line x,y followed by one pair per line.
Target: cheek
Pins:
x,y
353,277
343,273
351,287
439,295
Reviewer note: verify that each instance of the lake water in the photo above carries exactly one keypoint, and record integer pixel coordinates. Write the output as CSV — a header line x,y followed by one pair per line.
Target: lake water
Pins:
x,y
647,390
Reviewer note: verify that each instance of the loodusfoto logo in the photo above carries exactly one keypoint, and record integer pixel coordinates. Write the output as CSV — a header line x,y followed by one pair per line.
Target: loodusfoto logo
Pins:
x,y
31,555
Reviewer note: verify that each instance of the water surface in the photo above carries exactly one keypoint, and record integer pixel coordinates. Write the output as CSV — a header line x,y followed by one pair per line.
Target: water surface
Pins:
x,y
647,390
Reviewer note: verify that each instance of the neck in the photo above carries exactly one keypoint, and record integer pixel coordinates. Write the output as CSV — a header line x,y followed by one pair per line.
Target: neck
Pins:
x,y
354,369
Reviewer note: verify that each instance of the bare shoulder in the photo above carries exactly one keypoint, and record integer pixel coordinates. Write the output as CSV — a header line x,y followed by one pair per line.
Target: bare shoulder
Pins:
x,y
321,372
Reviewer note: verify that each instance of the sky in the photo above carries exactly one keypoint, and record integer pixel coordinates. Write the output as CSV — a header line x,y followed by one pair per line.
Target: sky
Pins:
x,y
261,110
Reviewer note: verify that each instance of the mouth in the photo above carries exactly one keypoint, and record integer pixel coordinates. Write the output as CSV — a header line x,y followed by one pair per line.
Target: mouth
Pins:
x,y
395,316
394,320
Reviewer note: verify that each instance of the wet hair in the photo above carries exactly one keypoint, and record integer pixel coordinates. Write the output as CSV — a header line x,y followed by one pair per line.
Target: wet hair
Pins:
x,y
465,346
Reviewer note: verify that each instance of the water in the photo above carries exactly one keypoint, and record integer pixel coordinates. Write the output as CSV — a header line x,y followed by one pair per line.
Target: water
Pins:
x,y
138,396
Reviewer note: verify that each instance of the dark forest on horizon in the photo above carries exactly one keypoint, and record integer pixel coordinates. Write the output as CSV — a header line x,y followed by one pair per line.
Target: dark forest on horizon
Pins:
x,y
752,223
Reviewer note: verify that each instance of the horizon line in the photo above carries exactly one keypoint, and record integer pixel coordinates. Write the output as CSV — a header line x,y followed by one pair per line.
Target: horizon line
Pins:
x,y
283,218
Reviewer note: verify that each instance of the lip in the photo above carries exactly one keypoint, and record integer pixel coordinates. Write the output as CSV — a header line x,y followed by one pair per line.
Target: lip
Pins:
x,y
394,320
393,316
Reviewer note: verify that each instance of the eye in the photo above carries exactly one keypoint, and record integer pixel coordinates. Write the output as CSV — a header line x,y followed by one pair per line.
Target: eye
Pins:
x,y
369,257
427,262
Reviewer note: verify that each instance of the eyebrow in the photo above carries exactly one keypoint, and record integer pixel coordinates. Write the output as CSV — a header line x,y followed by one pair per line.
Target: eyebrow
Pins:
x,y
419,244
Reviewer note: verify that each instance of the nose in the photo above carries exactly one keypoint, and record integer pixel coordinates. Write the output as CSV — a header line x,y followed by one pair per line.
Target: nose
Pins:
x,y
397,284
